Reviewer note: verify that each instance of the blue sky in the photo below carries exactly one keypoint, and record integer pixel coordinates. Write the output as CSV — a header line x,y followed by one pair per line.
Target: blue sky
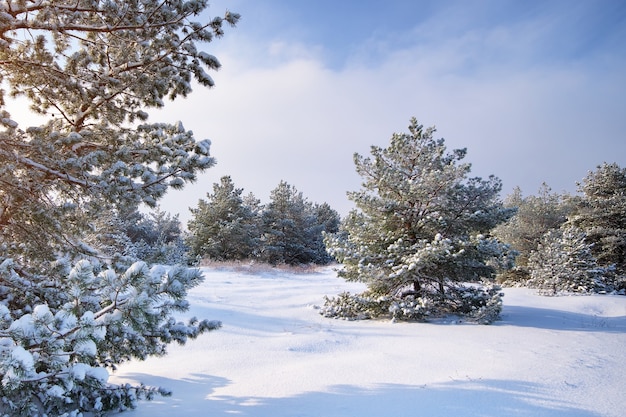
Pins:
x,y
346,30
536,90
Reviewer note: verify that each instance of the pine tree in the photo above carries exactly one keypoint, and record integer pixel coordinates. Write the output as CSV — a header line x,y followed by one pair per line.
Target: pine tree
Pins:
x,y
601,214
563,262
328,221
288,227
224,227
535,216
154,237
157,238
70,307
293,228
420,230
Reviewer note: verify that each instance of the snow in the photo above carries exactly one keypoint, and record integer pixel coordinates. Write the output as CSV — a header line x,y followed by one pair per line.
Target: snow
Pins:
x,y
41,312
56,391
23,326
22,358
276,356
101,374
80,371
86,347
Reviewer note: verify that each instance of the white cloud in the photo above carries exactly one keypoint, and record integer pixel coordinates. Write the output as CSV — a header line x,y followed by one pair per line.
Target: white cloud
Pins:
x,y
280,111
299,121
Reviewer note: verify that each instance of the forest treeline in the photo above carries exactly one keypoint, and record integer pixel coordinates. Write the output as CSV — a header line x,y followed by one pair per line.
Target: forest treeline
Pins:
x,y
555,242
422,229
229,226
570,243
287,230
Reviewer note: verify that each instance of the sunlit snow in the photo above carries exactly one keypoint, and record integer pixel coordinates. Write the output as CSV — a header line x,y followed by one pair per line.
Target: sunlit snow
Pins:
x,y
276,356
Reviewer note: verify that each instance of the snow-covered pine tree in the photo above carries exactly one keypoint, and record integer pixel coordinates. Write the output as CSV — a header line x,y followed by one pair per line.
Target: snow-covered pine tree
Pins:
x,y
157,237
601,214
224,227
328,221
68,309
289,227
535,216
563,263
293,228
154,237
420,231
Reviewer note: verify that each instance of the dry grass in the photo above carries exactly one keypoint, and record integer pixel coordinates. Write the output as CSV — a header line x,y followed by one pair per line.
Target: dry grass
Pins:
x,y
254,267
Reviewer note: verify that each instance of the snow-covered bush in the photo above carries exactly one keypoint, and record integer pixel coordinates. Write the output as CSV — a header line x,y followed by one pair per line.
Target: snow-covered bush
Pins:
x,y
349,306
480,304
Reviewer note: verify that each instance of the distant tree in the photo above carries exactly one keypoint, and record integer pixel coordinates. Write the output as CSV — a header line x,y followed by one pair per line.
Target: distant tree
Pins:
x,y
563,262
157,238
253,204
601,214
69,306
535,216
328,222
225,226
327,217
287,227
420,231
293,228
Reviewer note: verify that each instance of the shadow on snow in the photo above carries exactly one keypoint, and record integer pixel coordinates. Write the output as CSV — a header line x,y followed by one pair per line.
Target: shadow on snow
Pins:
x,y
193,397
551,319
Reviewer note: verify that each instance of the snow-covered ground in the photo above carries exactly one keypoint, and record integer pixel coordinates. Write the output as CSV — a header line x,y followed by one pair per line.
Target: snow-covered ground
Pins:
x,y
276,357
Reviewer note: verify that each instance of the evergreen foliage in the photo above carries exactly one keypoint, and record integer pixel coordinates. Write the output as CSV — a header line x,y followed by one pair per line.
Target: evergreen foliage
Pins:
x,y
570,244
421,230
156,237
225,226
74,300
563,262
535,216
288,230
601,214
293,228
127,234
